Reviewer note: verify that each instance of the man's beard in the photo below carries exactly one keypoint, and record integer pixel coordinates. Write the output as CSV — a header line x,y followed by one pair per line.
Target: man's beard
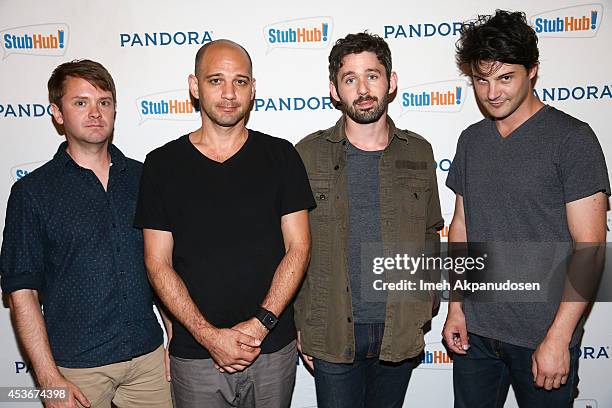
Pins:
x,y
367,116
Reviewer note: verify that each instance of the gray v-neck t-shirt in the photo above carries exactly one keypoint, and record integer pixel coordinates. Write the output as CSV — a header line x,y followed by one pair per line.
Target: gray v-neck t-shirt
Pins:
x,y
515,190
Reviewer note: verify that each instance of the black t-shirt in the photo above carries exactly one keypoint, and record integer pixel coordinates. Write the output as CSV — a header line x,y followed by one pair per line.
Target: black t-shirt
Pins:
x,y
225,220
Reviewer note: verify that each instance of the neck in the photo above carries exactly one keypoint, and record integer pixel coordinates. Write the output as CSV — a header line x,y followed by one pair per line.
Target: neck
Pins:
x,y
219,136
369,137
89,156
510,123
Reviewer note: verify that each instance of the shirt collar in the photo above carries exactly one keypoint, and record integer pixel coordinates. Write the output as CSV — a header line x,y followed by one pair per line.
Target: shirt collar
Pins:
x,y
117,157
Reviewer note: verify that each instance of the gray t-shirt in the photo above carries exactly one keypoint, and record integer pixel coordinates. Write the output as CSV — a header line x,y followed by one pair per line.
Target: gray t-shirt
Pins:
x,y
514,190
364,227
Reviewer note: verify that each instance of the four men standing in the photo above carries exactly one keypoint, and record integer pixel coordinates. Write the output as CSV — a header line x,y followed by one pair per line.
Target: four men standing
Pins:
x,y
225,213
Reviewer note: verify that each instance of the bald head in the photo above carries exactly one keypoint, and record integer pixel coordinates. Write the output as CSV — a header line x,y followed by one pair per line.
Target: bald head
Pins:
x,y
221,46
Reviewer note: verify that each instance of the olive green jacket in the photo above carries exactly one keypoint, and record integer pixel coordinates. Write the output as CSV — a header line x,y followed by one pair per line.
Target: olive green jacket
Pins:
x,y
410,213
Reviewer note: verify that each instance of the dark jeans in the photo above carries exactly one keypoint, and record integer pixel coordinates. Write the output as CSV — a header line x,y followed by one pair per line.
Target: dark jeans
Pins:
x,y
367,382
482,377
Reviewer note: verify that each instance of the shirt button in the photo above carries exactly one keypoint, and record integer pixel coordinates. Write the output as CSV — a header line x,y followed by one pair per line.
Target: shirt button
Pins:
x,y
118,249
125,297
114,225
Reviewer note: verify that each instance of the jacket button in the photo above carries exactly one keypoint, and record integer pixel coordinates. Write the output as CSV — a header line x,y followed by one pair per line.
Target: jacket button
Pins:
x,y
348,319
336,167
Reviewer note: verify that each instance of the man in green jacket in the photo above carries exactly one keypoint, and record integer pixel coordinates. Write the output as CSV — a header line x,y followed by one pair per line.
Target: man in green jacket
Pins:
x,y
377,201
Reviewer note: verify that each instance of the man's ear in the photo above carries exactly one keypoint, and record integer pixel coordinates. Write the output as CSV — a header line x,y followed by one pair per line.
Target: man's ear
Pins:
x,y
392,82
193,86
533,71
333,91
57,114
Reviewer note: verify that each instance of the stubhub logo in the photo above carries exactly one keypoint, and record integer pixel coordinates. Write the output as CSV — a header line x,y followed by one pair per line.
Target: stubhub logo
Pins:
x,y
442,96
22,170
168,105
435,357
308,33
576,21
40,39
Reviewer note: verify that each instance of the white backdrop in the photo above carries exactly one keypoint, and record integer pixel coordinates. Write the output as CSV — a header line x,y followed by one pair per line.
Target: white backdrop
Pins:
x,y
149,49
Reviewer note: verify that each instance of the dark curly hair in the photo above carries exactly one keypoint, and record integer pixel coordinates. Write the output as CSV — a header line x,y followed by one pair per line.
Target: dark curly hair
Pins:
x,y
504,37
355,44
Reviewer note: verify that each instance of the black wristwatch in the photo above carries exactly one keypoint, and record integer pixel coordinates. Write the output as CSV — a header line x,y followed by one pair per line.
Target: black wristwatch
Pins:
x,y
266,317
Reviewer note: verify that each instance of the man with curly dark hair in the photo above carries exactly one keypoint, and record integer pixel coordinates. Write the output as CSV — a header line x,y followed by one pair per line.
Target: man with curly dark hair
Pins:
x,y
526,173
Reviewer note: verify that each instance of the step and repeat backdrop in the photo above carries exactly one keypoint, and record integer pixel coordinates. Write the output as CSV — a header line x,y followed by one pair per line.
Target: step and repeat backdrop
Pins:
x,y
149,48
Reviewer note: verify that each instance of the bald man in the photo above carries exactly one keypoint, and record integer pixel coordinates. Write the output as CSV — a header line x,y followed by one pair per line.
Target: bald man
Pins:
x,y
225,216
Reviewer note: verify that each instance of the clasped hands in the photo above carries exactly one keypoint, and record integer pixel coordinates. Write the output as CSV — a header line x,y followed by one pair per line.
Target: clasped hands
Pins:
x,y
236,348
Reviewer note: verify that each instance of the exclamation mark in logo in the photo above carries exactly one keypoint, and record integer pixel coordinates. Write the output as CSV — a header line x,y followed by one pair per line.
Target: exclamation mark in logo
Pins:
x,y
458,99
593,19
60,34
324,31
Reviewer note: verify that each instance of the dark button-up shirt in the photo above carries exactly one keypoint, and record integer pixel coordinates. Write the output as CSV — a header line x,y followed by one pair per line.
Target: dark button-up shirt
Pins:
x,y
410,218
74,243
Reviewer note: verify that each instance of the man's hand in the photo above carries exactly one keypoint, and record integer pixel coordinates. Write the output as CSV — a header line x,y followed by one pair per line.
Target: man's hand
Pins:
x,y
230,349
550,363
253,327
305,357
74,393
455,331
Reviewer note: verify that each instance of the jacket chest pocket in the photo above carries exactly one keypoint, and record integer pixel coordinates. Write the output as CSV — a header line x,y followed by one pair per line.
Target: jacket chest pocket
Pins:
x,y
322,194
413,192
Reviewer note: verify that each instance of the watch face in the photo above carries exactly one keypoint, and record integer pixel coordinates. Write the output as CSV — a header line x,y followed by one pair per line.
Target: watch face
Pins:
x,y
270,319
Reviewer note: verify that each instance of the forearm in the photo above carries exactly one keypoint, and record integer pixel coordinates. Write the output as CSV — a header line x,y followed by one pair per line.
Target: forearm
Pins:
x,y
172,291
566,319
287,278
32,333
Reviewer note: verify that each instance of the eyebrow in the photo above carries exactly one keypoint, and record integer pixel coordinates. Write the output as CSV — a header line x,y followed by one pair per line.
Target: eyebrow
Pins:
x,y
219,74
88,97
347,73
496,76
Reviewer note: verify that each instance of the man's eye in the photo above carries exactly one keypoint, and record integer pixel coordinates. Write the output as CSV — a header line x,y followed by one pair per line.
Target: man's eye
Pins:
x,y
215,81
79,103
349,81
372,76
